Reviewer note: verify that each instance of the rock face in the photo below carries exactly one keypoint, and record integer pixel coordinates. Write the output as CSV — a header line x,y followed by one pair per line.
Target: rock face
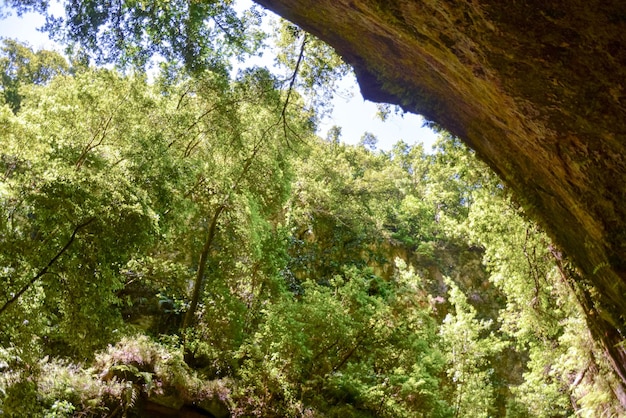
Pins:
x,y
536,88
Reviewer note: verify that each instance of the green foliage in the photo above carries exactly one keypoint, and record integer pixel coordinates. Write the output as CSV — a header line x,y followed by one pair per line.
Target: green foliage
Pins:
x,y
198,34
469,344
351,206
541,317
21,67
85,196
72,214
314,67
349,342
135,368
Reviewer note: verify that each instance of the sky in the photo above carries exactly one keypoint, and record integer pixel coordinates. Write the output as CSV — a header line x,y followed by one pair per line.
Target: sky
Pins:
x,y
351,112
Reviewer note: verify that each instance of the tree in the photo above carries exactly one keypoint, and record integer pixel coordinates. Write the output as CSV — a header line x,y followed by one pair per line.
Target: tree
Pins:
x,y
199,35
469,343
20,67
72,214
542,314
368,140
357,347
317,65
88,214
247,162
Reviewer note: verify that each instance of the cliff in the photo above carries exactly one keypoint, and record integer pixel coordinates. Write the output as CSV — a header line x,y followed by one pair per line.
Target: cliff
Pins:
x,y
536,88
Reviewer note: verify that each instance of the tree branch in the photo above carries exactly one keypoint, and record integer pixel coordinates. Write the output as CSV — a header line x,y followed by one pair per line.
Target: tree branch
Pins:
x,y
204,256
45,269
292,82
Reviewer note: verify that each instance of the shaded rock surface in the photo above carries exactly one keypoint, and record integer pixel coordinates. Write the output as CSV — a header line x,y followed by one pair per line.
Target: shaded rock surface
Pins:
x,y
536,88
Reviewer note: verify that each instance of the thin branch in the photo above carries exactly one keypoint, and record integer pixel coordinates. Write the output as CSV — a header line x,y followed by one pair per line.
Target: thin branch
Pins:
x,y
45,269
90,146
349,354
182,96
532,271
204,256
292,82
231,38
197,288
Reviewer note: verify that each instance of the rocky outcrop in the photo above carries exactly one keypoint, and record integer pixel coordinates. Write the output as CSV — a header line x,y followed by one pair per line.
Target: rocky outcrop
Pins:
x,y
536,88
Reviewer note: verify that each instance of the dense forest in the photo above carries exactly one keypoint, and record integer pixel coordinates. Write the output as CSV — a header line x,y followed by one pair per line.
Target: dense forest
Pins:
x,y
176,239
